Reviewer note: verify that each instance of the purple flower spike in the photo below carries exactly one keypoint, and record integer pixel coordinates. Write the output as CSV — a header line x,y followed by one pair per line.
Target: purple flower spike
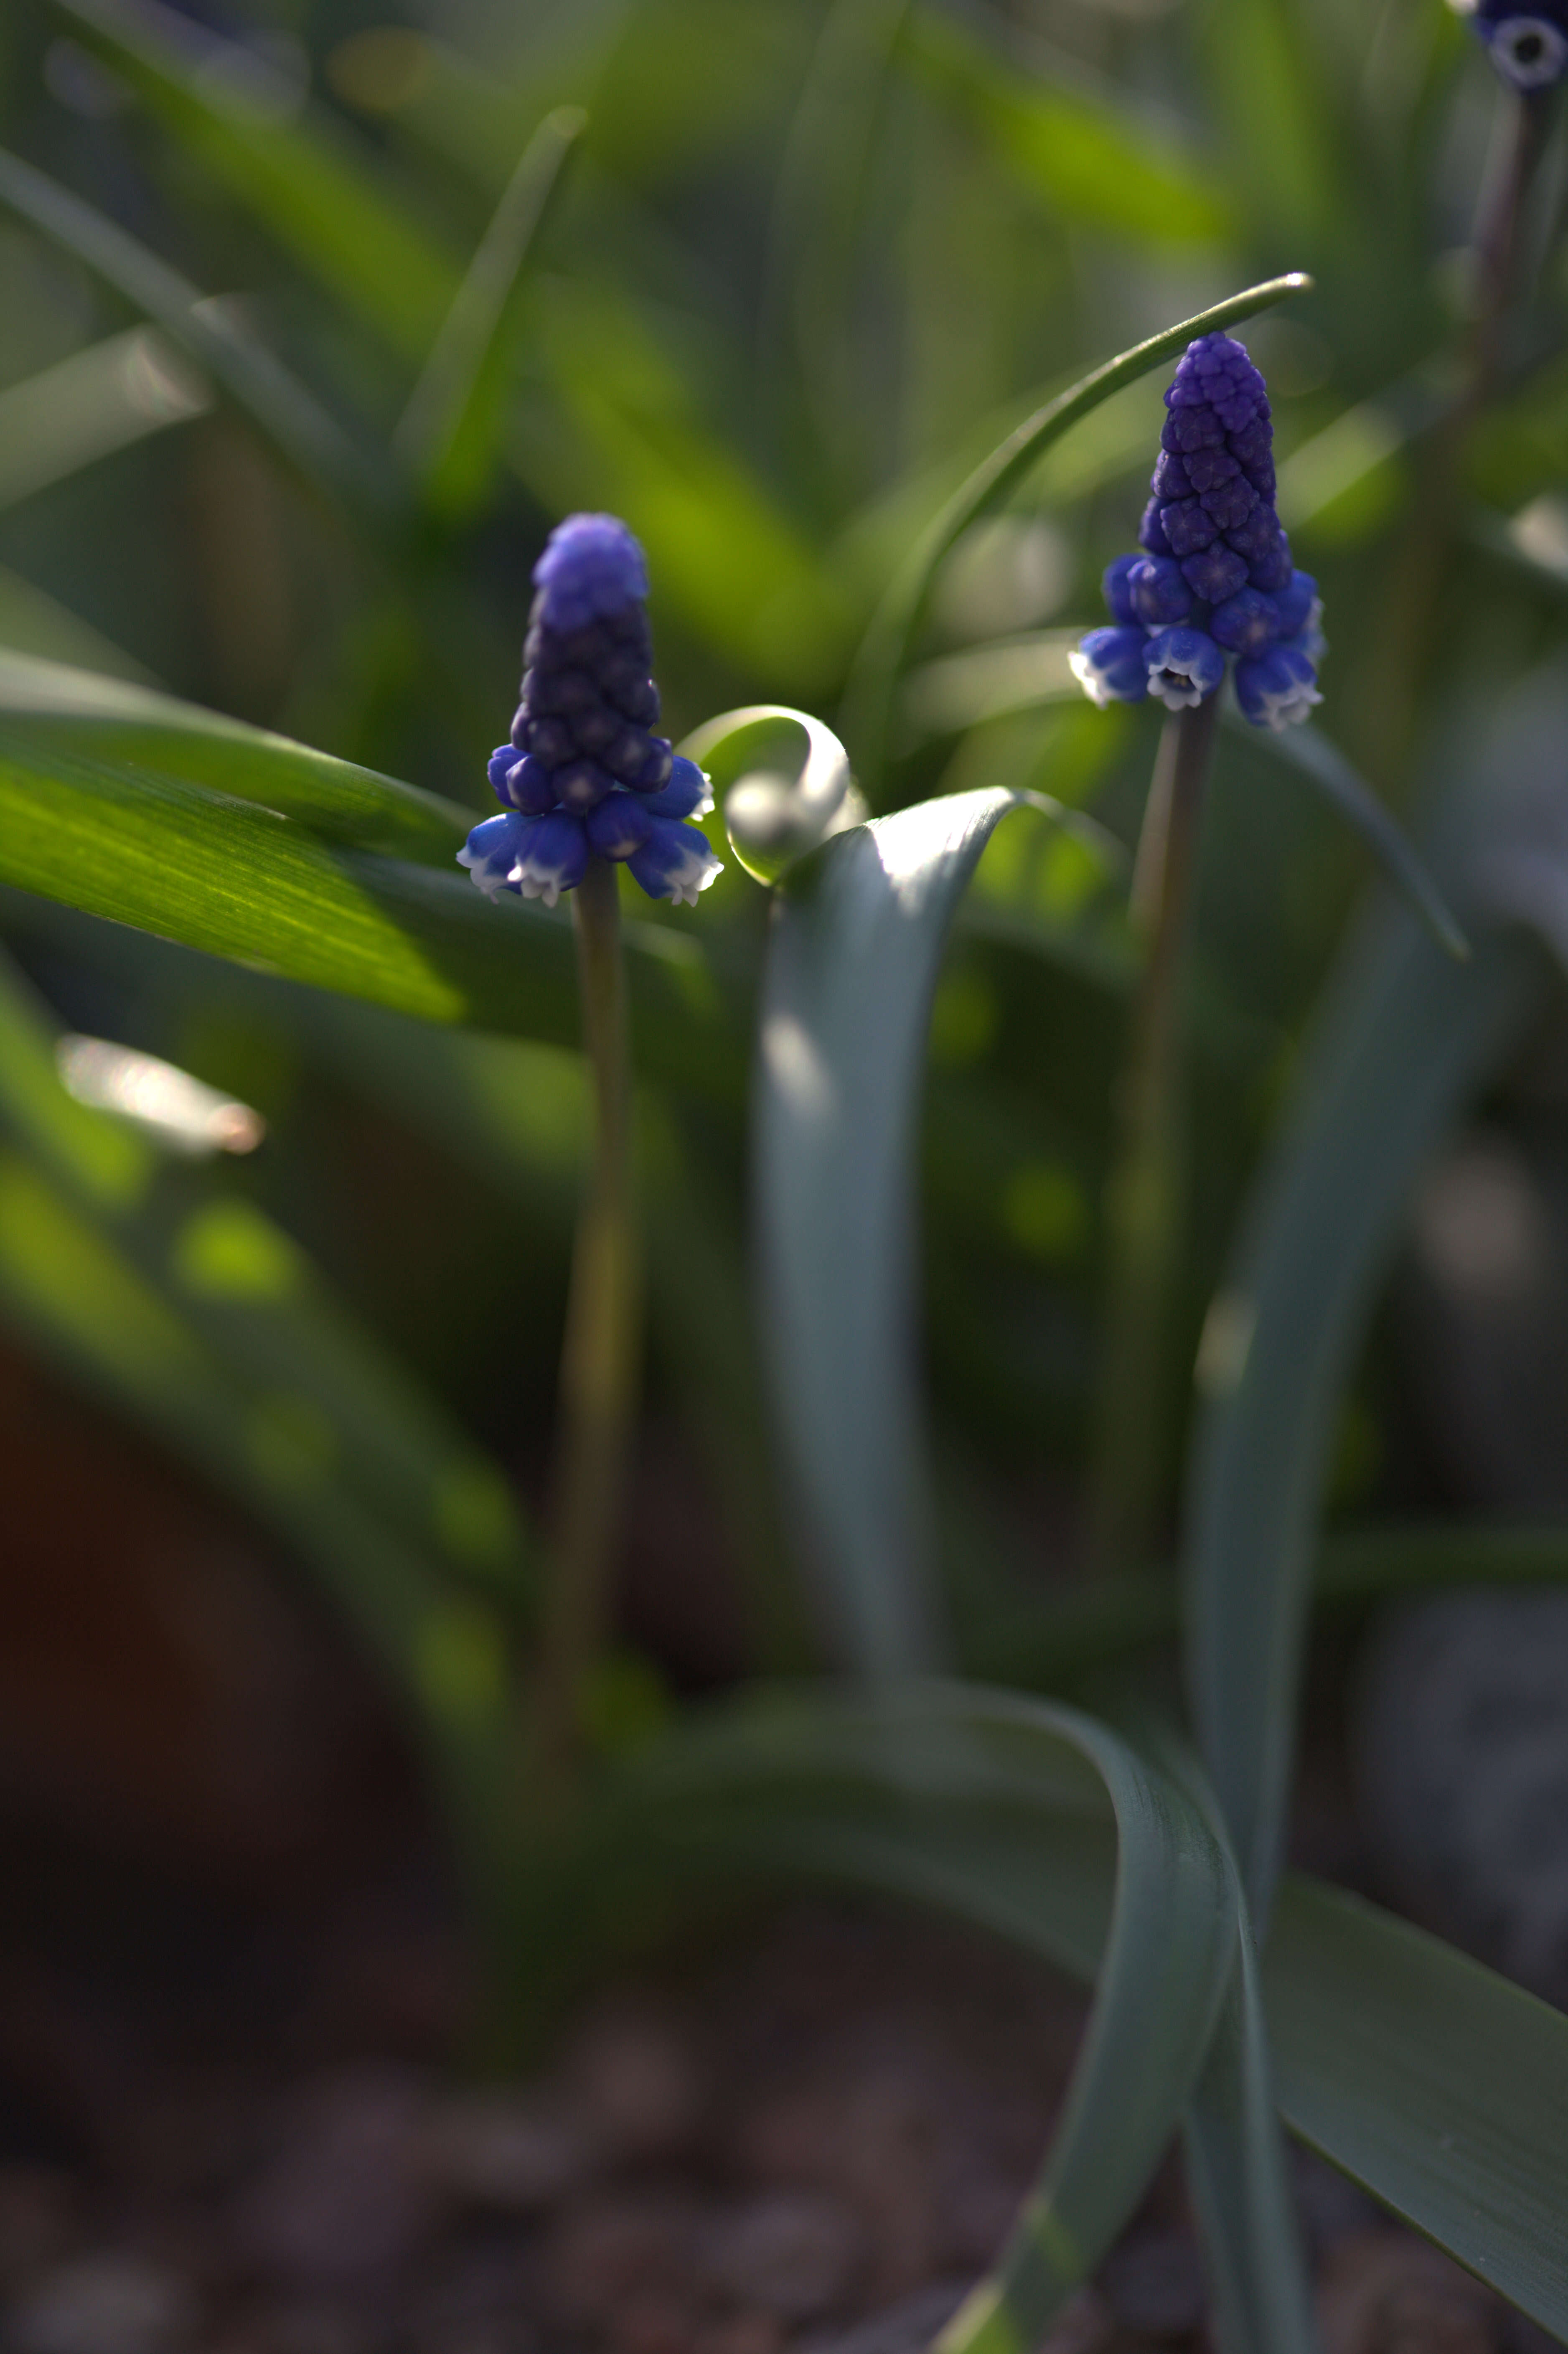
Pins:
x,y
582,742
1216,580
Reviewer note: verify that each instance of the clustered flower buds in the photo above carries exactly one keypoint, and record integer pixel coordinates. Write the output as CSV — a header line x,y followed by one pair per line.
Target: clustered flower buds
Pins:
x,y
1528,47
1215,579
583,775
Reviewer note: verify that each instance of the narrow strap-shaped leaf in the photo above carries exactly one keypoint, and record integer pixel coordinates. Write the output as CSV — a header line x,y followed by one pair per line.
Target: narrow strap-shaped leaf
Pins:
x,y
854,1789
48,705
290,415
1432,2081
1410,1036
859,929
328,199
119,825
885,646
1426,2077
447,434
1313,756
1237,2175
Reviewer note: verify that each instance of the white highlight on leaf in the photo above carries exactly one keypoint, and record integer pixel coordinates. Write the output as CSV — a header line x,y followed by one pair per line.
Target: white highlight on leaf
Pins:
x,y
796,1067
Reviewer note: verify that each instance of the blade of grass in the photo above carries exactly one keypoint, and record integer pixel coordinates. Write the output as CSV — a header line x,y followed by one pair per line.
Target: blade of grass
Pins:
x,y
1410,1036
885,646
446,435
215,337
1313,756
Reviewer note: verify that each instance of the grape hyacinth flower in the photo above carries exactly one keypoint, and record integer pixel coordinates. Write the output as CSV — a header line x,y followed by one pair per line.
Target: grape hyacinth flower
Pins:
x,y
1214,582
584,776
1529,45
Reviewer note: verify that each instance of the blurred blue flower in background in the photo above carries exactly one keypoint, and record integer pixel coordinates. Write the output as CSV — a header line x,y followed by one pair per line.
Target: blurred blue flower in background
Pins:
x,y
583,774
1215,577
1528,47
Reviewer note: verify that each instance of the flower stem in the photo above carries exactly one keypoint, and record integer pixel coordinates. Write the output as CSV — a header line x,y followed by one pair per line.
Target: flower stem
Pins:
x,y
599,1358
1393,673
1144,1197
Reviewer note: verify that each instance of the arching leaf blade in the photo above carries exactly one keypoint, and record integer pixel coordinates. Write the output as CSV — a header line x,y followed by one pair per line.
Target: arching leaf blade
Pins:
x,y
1321,762
1045,1824
1410,1034
147,845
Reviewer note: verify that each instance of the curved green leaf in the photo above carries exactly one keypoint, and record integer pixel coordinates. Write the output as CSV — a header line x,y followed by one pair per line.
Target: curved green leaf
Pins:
x,y
48,707
940,1792
1314,756
1410,1036
885,646
1426,2077
774,814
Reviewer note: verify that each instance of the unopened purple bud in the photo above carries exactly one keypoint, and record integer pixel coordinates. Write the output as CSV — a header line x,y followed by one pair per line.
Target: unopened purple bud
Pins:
x,y
654,774
591,569
1218,573
687,794
1160,594
620,825
1246,622
1152,531
581,785
1296,601
1117,584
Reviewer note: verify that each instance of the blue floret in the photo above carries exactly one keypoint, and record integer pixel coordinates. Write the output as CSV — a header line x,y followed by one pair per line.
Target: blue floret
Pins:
x,y
1529,44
